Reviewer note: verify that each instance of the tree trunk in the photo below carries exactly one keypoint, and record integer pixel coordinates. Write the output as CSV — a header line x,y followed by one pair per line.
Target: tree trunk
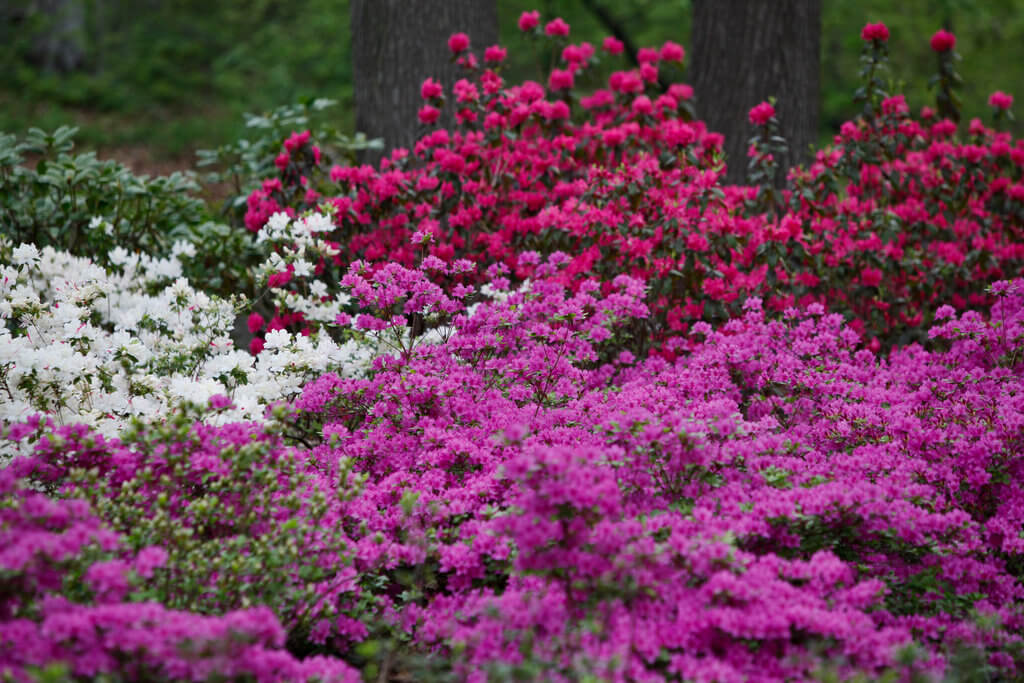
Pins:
x,y
61,47
744,51
396,44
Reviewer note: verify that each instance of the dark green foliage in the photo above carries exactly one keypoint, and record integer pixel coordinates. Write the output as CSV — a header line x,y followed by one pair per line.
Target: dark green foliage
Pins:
x,y
177,75
50,197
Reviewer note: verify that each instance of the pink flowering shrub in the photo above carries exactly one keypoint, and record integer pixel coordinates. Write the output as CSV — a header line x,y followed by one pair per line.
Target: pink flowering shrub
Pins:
x,y
775,502
63,605
240,518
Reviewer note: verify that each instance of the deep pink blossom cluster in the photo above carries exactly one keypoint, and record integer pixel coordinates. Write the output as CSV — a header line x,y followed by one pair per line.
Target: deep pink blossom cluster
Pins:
x,y
943,41
878,32
652,519
898,215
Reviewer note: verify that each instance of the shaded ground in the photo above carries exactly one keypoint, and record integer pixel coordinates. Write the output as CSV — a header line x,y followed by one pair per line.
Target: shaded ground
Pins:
x,y
142,161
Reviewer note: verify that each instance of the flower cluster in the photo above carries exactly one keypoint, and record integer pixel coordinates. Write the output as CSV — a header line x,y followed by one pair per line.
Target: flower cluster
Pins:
x,y
779,479
100,345
95,630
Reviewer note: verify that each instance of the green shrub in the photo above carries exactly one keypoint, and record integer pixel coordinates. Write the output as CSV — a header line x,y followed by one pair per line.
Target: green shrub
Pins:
x,y
85,205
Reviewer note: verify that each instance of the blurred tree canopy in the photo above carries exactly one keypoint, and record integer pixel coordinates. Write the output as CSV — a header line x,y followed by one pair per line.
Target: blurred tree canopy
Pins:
x,y
177,74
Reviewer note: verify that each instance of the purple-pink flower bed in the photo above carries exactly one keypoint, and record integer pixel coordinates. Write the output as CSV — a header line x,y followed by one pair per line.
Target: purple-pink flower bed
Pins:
x,y
590,475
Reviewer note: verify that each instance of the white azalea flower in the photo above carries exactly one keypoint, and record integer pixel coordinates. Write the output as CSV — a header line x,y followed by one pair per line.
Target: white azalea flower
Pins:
x,y
25,254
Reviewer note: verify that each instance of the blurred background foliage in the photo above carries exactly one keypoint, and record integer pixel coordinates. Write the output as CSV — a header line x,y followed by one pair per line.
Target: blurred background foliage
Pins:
x,y
174,76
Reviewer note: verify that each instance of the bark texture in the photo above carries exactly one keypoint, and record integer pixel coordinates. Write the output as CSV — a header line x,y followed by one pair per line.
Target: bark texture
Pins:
x,y
396,44
54,32
61,48
742,52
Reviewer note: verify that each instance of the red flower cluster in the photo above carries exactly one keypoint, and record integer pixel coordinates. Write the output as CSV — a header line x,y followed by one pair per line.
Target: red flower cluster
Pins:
x,y
672,52
762,113
557,28
612,45
943,41
430,89
634,184
1000,100
529,20
495,54
458,43
560,79
879,32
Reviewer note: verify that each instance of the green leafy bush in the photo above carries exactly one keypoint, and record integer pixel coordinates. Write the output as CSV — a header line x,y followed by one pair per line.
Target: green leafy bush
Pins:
x,y
85,205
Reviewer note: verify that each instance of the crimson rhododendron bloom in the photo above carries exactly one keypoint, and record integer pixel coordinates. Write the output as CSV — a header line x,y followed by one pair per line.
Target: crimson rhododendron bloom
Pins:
x,y
612,45
762,114
430,89
560,79
646,55
871,277
459,42
297,140
428,114
943,41
642,105
575,55
877,31
897,104
255,322
1000,100
680,91
529,20
672,52
557,27
495,54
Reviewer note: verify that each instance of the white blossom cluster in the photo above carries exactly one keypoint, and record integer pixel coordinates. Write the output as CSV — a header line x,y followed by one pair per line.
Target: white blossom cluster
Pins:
x,y
97,346
298,244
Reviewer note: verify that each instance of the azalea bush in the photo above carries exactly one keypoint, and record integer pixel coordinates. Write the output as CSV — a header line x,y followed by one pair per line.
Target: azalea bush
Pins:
x,y
90,207
540,399
78,603
513,503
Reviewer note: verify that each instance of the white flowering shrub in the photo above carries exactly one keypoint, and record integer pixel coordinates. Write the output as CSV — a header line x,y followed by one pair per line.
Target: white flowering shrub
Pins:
x,y
96,345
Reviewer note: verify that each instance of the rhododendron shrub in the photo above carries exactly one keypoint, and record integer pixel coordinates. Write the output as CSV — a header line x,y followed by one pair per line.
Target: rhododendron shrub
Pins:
x,y
76,599
894,219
